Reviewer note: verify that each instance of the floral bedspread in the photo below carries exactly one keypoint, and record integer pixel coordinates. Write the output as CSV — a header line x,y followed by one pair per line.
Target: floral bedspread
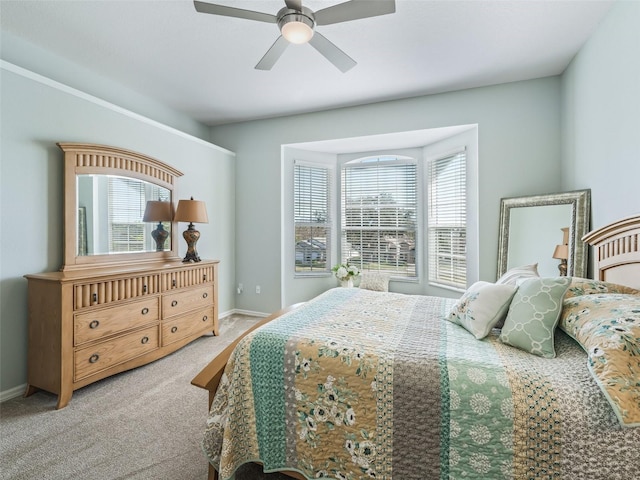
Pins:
x,y
360,384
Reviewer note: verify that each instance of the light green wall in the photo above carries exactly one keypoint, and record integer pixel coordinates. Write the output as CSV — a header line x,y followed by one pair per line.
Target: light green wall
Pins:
x,y
519,154
19,52
522,150
601,117
36,115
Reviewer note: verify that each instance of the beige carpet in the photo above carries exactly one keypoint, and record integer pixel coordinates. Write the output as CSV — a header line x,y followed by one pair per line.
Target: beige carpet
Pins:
x,y
143,424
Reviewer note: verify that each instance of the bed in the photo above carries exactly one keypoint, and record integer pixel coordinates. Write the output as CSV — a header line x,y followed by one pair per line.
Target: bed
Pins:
x,y
362,384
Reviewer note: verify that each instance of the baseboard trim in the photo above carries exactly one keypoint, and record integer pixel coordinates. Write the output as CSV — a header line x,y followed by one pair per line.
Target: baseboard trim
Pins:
x,y
248,312
12,392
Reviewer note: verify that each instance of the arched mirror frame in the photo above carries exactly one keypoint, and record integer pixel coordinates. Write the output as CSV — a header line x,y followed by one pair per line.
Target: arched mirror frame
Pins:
x,y
86,159
580,202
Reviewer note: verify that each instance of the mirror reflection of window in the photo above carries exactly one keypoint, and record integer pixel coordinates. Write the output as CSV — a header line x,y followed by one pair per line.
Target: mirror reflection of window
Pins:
x,y
113,212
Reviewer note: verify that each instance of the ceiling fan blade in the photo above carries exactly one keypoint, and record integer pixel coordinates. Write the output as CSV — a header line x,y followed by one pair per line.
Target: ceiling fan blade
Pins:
x,y
204,7
332,53
294,4
273,54
354,10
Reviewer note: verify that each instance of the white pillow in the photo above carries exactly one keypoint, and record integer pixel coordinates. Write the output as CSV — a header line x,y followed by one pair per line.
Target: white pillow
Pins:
x,y
516,275
482,307
378,282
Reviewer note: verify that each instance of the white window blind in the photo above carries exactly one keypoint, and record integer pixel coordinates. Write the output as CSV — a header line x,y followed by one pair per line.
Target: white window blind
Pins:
x,y
126,208
379,211
447,221
312,222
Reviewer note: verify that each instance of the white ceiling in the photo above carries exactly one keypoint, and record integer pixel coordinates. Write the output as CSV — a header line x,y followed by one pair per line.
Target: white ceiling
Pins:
x,y
202,64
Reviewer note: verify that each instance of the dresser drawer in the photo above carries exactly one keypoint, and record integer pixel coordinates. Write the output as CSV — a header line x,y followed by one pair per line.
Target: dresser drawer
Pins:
x,y
101,323
188,277
119,289
90,360
187,300
180,327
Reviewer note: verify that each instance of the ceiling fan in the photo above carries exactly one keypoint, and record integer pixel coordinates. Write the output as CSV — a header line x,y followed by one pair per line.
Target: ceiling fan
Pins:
x,y
297,25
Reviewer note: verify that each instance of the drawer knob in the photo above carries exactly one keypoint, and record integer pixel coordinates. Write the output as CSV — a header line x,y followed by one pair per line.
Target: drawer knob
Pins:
x,y
94,358
94,324
205,318
174,303
205,295
145,340
145,310
174,329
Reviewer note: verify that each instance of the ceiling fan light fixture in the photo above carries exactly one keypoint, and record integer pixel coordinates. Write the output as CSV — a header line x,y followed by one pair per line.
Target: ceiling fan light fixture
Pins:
x,y
296,27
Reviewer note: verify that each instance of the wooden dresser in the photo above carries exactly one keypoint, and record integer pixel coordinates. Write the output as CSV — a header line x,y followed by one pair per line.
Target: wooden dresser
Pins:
x,y
85,325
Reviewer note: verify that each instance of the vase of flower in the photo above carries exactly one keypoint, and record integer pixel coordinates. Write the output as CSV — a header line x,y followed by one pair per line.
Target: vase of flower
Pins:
x,y
345,273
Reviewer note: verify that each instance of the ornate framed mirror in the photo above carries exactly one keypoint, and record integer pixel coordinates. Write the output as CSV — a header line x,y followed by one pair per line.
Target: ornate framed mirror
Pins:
x,y
547,230
118,207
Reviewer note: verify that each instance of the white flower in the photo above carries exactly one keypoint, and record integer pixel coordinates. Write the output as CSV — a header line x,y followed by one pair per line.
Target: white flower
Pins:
x,y
311,424
480,404
480,434
320,414
344,271
480,463
350,416
477,376
350,446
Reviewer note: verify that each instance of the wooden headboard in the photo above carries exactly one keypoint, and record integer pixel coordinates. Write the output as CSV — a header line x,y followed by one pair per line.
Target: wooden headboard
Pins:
x,y
617,251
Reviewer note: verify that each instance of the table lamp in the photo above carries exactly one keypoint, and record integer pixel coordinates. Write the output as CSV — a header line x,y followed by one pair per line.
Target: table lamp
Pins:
x,y
191,211
561,252
158,211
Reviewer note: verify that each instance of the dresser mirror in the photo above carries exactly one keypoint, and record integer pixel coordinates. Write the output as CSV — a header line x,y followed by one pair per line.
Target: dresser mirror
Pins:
x,y
111,215
107,192
547,230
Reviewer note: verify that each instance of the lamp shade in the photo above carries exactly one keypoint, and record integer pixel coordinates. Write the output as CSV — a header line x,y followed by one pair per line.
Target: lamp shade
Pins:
x,y
193,211
157,211
297,32
561,252
296,27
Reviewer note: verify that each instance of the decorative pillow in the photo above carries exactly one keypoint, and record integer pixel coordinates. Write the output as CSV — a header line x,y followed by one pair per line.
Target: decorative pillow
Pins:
x,y
533,315
607,326
481,307
514,275
378,282
585,286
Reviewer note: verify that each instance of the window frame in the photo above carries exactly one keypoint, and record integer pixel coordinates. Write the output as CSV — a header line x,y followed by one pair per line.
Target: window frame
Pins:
x,y
432,274
401,159
329,224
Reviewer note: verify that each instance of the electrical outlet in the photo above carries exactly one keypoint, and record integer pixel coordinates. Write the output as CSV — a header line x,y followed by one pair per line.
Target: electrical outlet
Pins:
x,y
240,288
257,288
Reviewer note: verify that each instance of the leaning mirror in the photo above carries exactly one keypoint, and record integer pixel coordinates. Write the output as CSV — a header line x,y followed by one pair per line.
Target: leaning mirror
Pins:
x,y
118,207
547,230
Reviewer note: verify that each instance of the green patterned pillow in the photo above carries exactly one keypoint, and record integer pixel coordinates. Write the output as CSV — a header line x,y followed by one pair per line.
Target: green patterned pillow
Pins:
x,y
533,315
482,307
607,326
